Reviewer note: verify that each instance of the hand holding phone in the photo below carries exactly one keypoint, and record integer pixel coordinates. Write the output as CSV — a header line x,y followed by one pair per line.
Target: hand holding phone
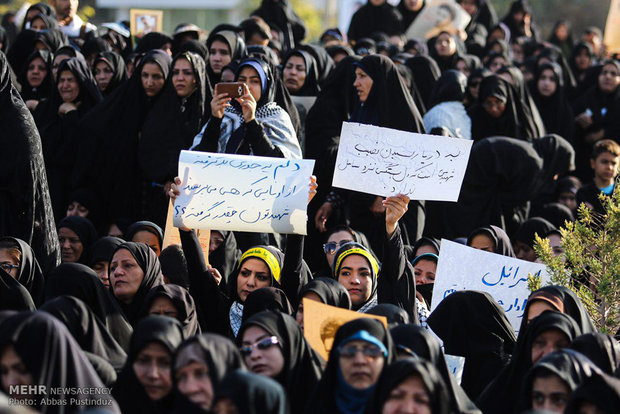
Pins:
x,y
233,89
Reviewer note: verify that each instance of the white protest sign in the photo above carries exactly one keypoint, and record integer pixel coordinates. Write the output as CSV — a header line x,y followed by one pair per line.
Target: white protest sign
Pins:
x,y
242,193
386,162
505,278
438,16
455,365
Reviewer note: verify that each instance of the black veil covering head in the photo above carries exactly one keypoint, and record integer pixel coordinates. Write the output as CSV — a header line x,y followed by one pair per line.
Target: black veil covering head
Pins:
x,y
54,359
602,391
147,226
329,291
602,349
84,229
26,210
44,90
102,249
153,40
29,274
268,298
87,329
451,86
117,64
324,62
13,295
399,371
389,102
415,341
502,242
110,143
395,315
235,43
52,39
226,256
148,262
310,86
183,303
530,228
253,393
128,391
21,48
425,74
81,282
473,325
506,385
173,123
280,13
370,19
302,365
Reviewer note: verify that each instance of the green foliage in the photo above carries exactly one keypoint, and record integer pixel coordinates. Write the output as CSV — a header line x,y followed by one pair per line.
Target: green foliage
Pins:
x,y
592,261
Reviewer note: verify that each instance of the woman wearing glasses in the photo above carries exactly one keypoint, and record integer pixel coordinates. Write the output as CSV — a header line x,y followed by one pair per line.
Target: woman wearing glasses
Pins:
x,y
273,345
18,260
360,351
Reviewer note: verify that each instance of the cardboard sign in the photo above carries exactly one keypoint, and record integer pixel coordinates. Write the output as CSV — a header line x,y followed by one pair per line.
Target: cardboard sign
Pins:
x,y
385,162
243,193
439,16
612,34
172,236
505,278
321,322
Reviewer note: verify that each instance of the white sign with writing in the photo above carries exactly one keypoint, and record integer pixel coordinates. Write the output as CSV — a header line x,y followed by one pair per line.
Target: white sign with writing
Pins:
x,y
386,162
455,365
242,193
505,278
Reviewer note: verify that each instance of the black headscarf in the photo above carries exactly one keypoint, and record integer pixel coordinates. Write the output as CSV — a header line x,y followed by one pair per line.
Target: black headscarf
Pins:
x,y
43,91
173,123
450,87
517,28
21,49
253,394
311,85
370,19
280,13
13,295
324,62
87,329
576,50
194,46
236,46
475,75
117,65
531,227
147,226
395,315
473,325
128,390
226,256
147,260
54,359
506,385
263,299
29,274
393,375
81,282
103,249
408,15
557,214
425,74
302,365
42,8
85,231
329,291
502,242
389,103
183,303
53,39
602,391
153,40
602,349
416,341
26,209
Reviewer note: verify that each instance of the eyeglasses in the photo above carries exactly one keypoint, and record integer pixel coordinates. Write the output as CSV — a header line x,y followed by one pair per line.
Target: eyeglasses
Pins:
x,y
7,267
332,246
349,351
260,345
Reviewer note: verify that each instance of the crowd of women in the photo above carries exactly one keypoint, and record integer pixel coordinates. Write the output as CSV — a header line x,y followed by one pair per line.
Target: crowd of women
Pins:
x,y
92,303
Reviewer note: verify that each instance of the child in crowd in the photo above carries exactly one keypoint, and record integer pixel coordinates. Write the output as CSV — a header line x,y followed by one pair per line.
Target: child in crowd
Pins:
x,y
604,162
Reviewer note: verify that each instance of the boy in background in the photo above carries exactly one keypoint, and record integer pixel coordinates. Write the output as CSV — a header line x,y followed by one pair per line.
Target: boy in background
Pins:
x,y
604,161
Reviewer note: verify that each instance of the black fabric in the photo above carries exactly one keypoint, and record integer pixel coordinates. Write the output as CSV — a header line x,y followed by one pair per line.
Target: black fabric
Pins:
x,y
253,394
20,49
528,230
263,299
280,13
29,274
502,242
26,210
152,40
324,399
94,46
236,46
426,72
54,359
183,303
129,392
110,136
44,90
395,315
473,325
117,64
103,249
413,340
226,256
86,328
194,46
329,291
310,86
145,226
369,19
302,365
517,29
324,62
147,260
557,214
407,15
53,39
449,87
412,251
603,391
81,282
14,296
85,231
602,349
507,384
393,375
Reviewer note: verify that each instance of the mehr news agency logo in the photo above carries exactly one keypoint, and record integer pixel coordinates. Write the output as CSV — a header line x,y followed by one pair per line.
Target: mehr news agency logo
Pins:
x,y
41,395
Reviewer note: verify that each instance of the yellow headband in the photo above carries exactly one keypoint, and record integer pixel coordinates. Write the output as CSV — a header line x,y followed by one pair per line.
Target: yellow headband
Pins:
x,y
266,256
361,252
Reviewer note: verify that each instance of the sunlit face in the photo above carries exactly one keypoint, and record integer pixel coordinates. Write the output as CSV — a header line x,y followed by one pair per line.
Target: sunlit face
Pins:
x,y
299,316
269,361
363,84
183,78
547,84
13,372
356,276
550,394
58,59
445,45
77,209
68,86
536,308
125,275
71,246
101,268
152,368
410,396
37,71
194,382
524,251
152,79
339,238
164,307
254,274
548,342
555,241
38,25
483,242
294,73
65,8
609,79
605,166
425,272
9,260
494,106
360,371
103,75
462,67
250,77
497,63
219,56
470,6
414,5
149,239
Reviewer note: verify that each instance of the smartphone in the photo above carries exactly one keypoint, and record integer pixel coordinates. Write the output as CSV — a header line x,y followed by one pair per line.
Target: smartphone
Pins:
x,y
233,89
